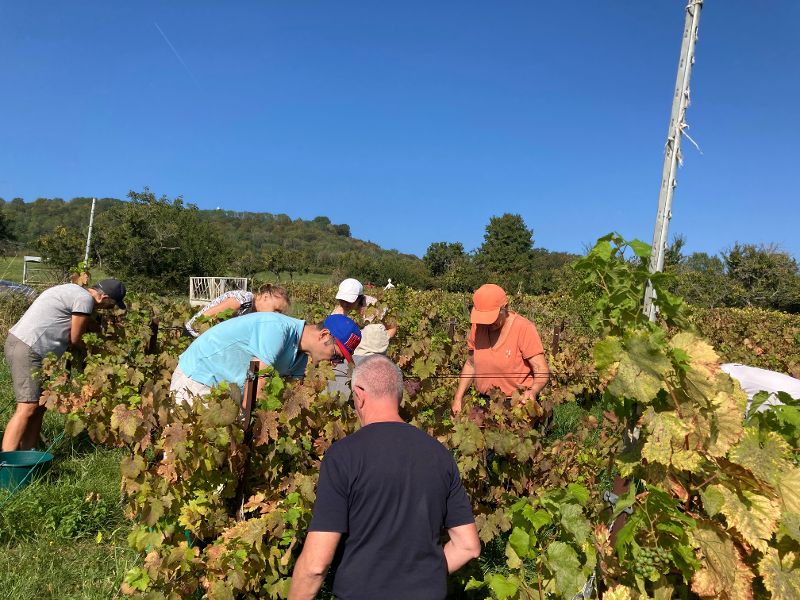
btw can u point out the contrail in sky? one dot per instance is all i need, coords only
(178, 56)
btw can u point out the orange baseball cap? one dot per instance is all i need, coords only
(487, 302)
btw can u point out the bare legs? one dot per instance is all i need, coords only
(22, 431)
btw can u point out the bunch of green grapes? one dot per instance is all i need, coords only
(652, 562)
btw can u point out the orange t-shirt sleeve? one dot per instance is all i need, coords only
(530, 344)
(471, 338)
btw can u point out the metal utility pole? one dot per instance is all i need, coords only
(672, 153)
(89, 237)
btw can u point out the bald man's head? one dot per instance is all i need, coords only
(379, 377)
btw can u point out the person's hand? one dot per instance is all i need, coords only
(455, 407)
(528, 395)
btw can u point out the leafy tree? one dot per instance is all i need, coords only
(5, 228)
(673, 255)
(155, 244)
(61, 249)
(443, 256)
(704, 263)
(249, 264)
(506, 254)
(769, 276)
(550, 271)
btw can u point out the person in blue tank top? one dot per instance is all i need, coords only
(224, 352)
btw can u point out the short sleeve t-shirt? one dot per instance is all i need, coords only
(224, 352)
(389, 489)
(503, 365)
(47, 324)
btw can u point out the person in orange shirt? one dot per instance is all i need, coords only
(505, 351)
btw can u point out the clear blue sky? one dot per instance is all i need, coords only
(414, 122)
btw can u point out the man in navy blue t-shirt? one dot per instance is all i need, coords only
(384, 496)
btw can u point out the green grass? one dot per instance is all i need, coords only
(11, 267)
(64, 535)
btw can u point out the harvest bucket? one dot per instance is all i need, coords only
(19, 468)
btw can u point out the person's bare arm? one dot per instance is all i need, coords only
(464, 545)
(541, 375)
(261, 380)
(228, 304)
(78, 326)
(312, 565)
(464, 381)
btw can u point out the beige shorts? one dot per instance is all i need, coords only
(185, 388)
(25, 365)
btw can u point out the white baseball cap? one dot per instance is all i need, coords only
(349, 290)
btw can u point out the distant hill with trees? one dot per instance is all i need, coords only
(155, 243)
(242, 243)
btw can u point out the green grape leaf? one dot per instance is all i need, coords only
(756, 403)
(512, 558)
(563, 562)
(474, 584)
(640, 249)
(137, 579)
(607, 352)
(502, 587)
(712, 500)
(467, 437)
(573, 521)
(520, 541)
(220, 414)
(579, 493)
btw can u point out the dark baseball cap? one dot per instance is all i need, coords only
(114, 289)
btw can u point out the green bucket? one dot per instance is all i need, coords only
(19, 468)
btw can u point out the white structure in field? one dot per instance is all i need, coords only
(203, 290)
(38, 274)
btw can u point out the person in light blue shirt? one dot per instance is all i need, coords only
(224, 352)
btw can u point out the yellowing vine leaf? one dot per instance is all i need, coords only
(763, 454)
(666, 440)
(790, 525)
(641, 371)
(723, 575)
(727, 426)
(618, 592)
(789, 489)
(781, 575)
(754, 516)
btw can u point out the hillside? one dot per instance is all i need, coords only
(324, 245)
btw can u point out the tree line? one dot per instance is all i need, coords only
(156, 243)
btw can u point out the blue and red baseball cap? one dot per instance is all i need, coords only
(345, 333)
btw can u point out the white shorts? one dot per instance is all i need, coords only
(185, 388)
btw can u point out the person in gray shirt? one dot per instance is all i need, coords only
(57, 318)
